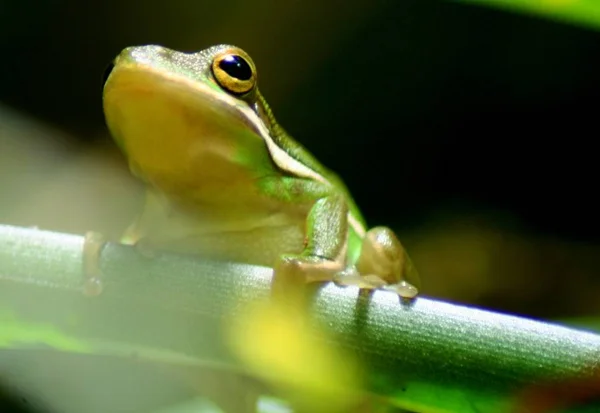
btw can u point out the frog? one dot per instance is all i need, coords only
(226, 181)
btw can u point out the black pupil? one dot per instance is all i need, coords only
(237, 67)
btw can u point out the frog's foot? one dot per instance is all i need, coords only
(384, 264)
(292, 273)
(403, 289)
(92, 248)
(351, 277)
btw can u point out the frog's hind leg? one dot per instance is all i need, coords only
(385, 264)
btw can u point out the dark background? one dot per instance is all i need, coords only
(470, 131)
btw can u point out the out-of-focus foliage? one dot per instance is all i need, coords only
(276, 340)
(440, 150)
(580, 12)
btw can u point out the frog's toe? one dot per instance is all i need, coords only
(351, 278)
(403, 289)
(293, 272)
(374, 282)
(92, 247)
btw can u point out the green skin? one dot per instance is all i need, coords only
(227, 182)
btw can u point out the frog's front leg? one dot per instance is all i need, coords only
(383, 262)
(93, 243)
(324, 253)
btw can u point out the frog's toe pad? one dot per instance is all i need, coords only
(354, 279)
(92, 247)
(374, 282)
(403, 289)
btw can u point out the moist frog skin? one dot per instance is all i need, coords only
(226, 181)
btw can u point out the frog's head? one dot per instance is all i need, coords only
(173, 112)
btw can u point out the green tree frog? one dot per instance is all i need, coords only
(226, 181)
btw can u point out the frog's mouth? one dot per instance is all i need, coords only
(175, 130)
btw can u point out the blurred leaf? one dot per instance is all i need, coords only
(16, 333)
(279, 343)
(585, 13)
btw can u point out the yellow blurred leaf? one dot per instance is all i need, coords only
(278, 344)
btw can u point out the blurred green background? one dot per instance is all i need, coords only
(469, 130)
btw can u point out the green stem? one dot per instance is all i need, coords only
(429, 355)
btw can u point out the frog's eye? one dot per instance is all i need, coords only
(234, 72)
